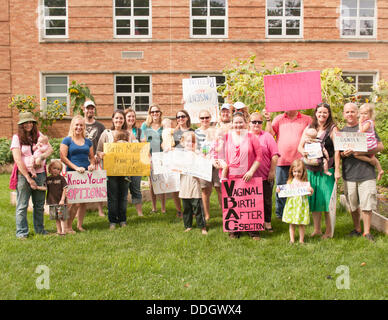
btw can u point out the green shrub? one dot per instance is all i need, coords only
(5, 152)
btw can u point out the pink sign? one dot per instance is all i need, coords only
(292, 91)
(242, 205)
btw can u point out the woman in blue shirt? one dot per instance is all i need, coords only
(77, 154)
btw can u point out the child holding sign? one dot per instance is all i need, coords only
(190, 190)
(296, 211)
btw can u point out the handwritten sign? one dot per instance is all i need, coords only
(200, 94)
(183, 162)
(294, 189)
(86, 187)
(356, 141)
(292, 91)
(314, 150)
(165, 183)
(127, 159)
(242, 205)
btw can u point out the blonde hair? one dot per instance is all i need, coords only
(149, 119)
(186, 135)
(297, 163)
(370, 107)
(53, 163)
(72, 126)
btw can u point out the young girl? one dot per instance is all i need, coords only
(296, 210)
(56, 196)
(366, 125)
(190, 190)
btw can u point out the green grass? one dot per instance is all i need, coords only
(154, 259)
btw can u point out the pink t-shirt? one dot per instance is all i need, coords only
(269, 149)
(241, 157)
(288, 134)
(25, 152)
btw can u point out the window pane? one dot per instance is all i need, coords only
(141, 3)
(217, 12)
(367, 3)
(293, 12)
(292, 4)
(217, 3)
(275, 3)
(56, 80)
(199, 12)
(142, 108)
(365, 87)
(123, 31)
(141, 12)
(55, 32)
(55, 12)
(365, 79)
(123, 80)
(349, 3)
(142, 100)
(123, 102)
(122, 88)
(55, 3)
(366, 27)
(217, 23)
(56, 89)
(349, 27)
(55, 24)
(367, 12)
(123, 3)
(199, 23)
(292, 27)
(199, 3)
(123, 23)
(275, 12)
(123, 12)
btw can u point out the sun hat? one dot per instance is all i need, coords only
(26, 117)
(225, 106)
(89, 103)
(239, 105)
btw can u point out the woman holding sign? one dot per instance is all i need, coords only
(151, 131)
(117, 186)
(324, 196)
(242, 153)
(77, 154)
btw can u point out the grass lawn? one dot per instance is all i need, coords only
(154, 259)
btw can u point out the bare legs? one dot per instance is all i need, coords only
(153, 199)
(366, 218)
(317, 225)
(79, 210)
(301, 228)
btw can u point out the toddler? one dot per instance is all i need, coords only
(36, 158)
(121, 136)
(56, 196)
(167, 135)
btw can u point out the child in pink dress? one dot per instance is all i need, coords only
(36, 158)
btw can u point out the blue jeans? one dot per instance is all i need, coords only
(23, 194)
(281, 178)
(135, 190)
(117, 199)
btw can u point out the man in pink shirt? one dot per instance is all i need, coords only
(288, 129)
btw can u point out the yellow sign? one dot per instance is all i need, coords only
(127, 159)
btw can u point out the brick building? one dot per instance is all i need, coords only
(134, 52)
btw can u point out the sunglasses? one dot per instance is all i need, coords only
(204, 118)
(152, 112)
(180, 117)
(257, 122)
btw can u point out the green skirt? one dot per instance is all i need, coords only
(323, 188)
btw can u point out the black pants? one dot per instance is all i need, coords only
(190, 207)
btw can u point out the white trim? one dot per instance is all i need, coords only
(283, 18)
(132, 19)
(43, 18)
(208, 19)
(358, 19)
(356, 74)
(44, 94)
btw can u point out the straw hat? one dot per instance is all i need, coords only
(26, 117)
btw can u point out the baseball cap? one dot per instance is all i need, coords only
(89, 103)
(239, 105)
(225, 106)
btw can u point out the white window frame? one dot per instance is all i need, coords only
(358, 19)
(356, 75)
(205, 75)
(208, 19)
(46, 95)
(132, 19)
(43, 18)
(132, 94)
(284, 18)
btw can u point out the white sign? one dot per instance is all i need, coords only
(86, 187)
(314, 150)
(200, 94)
(294, 189)
(355, 141)
(165, 183)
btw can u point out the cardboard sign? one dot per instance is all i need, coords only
(294, 189)
(127, 159)
(314, 150)
(292, 91)
(356, 141)
(242, 205)
(200, 94)
(86, 187)
(165, 183)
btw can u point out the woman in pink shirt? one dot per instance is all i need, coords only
(242, 154)
(267, 169)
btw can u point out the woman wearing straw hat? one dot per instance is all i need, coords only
(22, 147)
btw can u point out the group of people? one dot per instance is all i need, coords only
(238, 148)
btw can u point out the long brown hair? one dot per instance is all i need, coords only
(188, 122)
(329, 121)
(130, 110)
(26, 138)
(124, 126)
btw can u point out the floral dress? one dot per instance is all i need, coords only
(296, 210)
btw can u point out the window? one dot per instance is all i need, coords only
(54, 18)
(133, 91)
(208, 18)
(363, 82)
(132, 18)
(358, 18)
(55, 87)
(220, 80)
(284, 19)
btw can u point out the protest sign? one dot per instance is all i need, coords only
(165, 183)
(314, 150)
(242, 205)
(294, 189)
(292, 91)
(200, 94)
(127, 159)
(86, 187)
(356, 141)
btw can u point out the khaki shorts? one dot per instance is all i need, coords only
(361, 195)
(215, 180)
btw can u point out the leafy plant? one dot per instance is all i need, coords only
(5, 152)
(78, 94)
